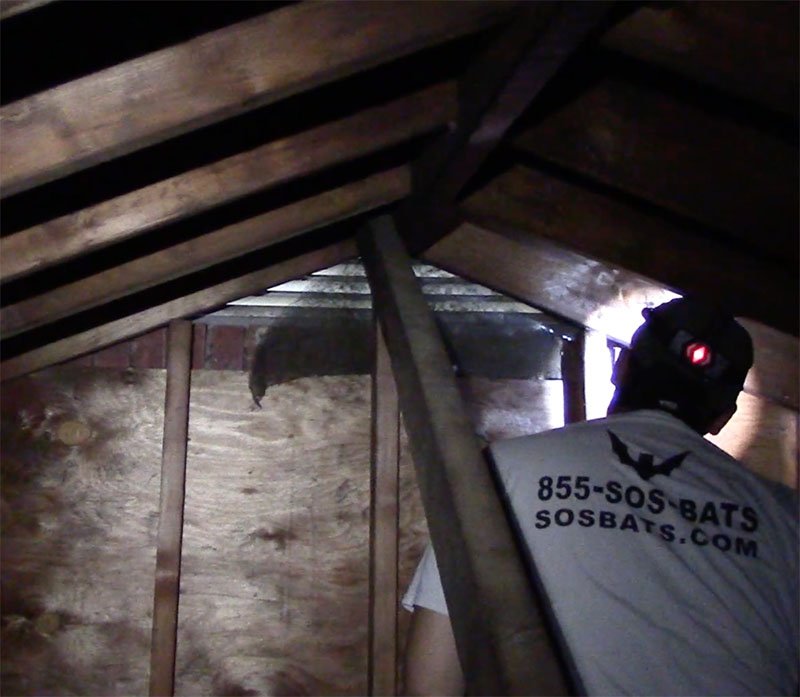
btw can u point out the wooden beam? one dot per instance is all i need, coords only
(528, 200)
(735, 179)
(192, 304)
(496, 619)
(597, 295)
(170, 520)
(493, 93)
(384, 512)
(747, 49)
(204, 188)
(216, 76)
(9, 8)
(573, 378)
(203, 251)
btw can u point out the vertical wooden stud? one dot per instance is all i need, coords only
(170, 524)
(382, 669)
(572, 377)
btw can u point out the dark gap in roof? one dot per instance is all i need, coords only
(186, 285)
(63, 41)
(690, 225)
(236, 211)
(271, 122)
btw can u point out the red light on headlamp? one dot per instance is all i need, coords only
(698, 354)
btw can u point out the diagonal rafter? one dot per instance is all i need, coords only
(206, 250)
(216, 76)
(494, 92)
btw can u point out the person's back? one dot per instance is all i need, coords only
(667, 567)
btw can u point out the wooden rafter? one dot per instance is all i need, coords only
(201, 189)
(602, 228)
(595, 294)
(493, 93)
(213, 77)
(733, 178)
(206, 250)
(192, 304)
(496, 619)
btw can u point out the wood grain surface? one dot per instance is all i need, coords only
(217, 75)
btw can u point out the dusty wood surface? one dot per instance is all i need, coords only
(596, 295)
(384, 512)
(720, 44)
(170, 515)
(215, 76)
(201, 189)
(206, 250)
(731, 177)
(194, 303)
(497, 624)
(529, 200)
(80, 480)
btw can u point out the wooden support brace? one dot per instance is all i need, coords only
(497, 620)
(572, 377)
(170, 524)
(384, 508)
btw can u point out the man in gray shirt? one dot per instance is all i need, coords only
(666, 566)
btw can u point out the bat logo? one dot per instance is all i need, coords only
(645, 466)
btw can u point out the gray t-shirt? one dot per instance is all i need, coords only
(668, 567)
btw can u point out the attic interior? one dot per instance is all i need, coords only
(550, 169)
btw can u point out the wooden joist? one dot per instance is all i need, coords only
(733, 178)
(206, 250)
(493, 93)
(187, 306)
(170, 521)
(203, 188)
(383, 528)
(213, 77)
(600, 227)
(496, 619)
(597, 295)
(748, 49)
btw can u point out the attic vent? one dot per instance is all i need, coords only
(345, 286)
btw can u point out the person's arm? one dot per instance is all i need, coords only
(431, 664)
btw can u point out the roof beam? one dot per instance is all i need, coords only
(730, 177)
(193, 304)
(201, 189)
(747, 49)
(216, 76)
(597, 295)
(206, 250)
(493, 93)
(602, 228)
(497, 622)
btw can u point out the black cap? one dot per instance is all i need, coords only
(700, 339)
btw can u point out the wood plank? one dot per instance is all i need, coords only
(493, 93)
(170, 521)
(203, 188)
(225, 348)
(573, 378)
(733, 178)
(529, 200)
(496, 619)
(384, 516)
(194, 303)
(747, 49)
(9, 8)
(206, 250)
(215, 76)
(597, 295)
